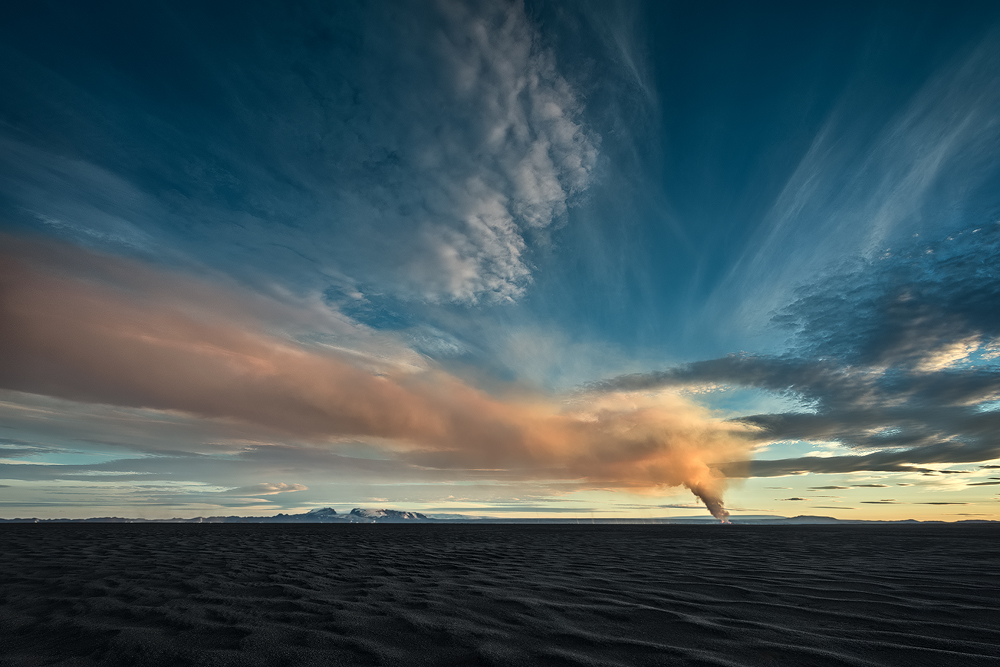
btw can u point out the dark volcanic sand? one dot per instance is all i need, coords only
(499, 594)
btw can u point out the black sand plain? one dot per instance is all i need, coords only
(361, 594)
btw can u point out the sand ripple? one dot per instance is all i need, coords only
(362, 594)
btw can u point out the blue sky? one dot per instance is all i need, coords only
(500, 258)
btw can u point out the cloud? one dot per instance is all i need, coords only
(519, 121)
(422, 160)
(827, 488)
(874, 365)
(266, 489)
(865, 409)
(89, 328)
(12, 449)
(923, 309)
(861, 190)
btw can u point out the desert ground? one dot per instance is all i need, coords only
(368, 594)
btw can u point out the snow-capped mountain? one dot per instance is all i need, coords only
(361, 515)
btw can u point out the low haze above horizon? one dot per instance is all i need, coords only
(516, 259)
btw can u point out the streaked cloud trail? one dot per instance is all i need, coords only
(863, 190)
(96, 329)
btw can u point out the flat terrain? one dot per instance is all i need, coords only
(165, 594)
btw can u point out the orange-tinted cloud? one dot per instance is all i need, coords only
(91, 328)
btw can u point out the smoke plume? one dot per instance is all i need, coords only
(91, 328)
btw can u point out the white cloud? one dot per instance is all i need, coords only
(506, 157)
(917, 170)
(948, 355)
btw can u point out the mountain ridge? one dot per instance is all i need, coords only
(384, 515)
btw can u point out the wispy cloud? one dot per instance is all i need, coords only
(266, 489)
(856, 190)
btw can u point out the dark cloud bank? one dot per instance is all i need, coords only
(895, 356)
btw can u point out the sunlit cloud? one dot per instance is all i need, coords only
(97, 330)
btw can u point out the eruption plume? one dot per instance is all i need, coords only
(90, 328)
(713, 501)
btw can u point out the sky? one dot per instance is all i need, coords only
(493, 258)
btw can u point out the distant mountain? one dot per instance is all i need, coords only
(362, 515)
(319, 515)
(384, 516)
